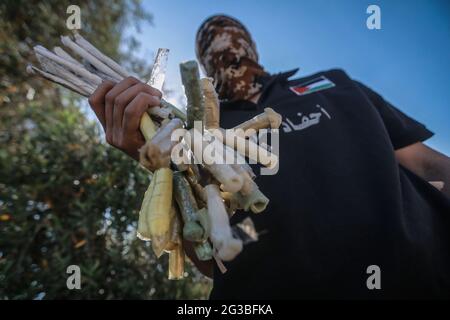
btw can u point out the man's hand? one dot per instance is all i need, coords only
(119, 107)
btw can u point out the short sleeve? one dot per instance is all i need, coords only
(403, 130)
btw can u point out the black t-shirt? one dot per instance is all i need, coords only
(340, 201)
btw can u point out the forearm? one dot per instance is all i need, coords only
(429, 164)
(438, 169)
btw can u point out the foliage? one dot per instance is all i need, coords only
(25, 23)
(66, 198)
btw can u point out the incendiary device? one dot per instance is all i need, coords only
(191, 200)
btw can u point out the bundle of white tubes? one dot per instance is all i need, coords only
(190, 200)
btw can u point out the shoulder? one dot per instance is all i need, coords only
(336, 72)
(336, 75)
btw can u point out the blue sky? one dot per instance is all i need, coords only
(407, 61)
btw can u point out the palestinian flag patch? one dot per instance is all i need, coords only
(314, 85)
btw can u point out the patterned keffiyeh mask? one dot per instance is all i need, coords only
(228, 54)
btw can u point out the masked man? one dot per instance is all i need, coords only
(352, 212)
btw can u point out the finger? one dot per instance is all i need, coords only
(109, 105)
(97, 100)
(437, 184)
(134, 111)
(124, 98)
(154, 92)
